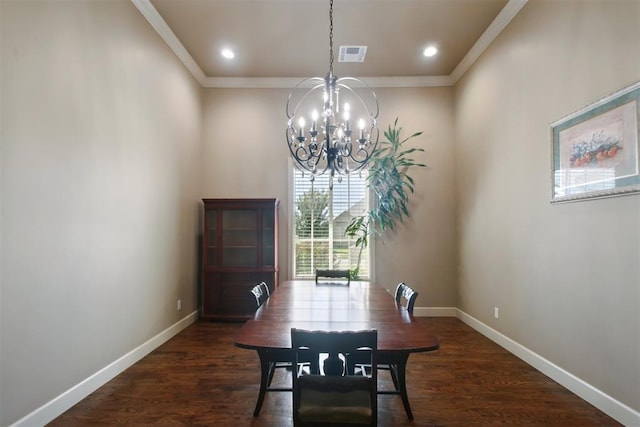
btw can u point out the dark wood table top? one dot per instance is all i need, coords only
(334, 307)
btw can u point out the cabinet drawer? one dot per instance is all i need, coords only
(228, 295)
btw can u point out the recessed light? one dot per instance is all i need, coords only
(430, 51)
(227, 53)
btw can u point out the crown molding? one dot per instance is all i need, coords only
(291, 82)
(153, 17)
(499, 23)
(151, 14)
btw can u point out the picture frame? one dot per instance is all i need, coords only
(595, 150)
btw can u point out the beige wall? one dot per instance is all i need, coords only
(101, 160)
(422, 250)
(566, 277)
(246, 156)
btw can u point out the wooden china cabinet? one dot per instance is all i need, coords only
(239, 249)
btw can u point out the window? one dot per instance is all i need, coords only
(321, 216)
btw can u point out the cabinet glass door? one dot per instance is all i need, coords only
(211, 222)
(240, 237)
(268, 235)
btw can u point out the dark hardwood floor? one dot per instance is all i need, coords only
(200, 378)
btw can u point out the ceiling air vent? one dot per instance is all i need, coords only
(352, 53)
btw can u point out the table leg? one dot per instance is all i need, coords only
(401, 369)
(264, 379)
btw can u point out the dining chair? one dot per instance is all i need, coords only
(333, 274)
(274, 359)
(405, 298)
(332, 395)
(261, 293)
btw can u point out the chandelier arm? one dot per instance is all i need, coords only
(309, 161)
(373, 129)
(340, 83)
(319, 85)
(362, 156)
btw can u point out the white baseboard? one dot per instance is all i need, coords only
(607, 404)
(435, 312)
(49, 411)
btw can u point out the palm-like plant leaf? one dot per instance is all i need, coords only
(388, 178)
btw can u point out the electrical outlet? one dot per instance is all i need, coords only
(496, 312)
(179, 305)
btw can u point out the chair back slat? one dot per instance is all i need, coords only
(407, 294)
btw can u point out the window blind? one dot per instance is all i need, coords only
(321, 217)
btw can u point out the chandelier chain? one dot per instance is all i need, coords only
(331, 37)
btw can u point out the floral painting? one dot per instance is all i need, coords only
(598, 149)
(595, 150)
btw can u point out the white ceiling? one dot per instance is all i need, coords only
(279, 42)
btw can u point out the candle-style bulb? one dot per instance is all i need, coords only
(314, 121)
(347, 115)
(301, 129)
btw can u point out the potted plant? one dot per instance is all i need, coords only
(391, 184)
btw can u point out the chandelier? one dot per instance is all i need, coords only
(331, 104)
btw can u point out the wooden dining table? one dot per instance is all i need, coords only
(333, 306)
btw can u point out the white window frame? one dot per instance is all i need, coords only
(292, 230)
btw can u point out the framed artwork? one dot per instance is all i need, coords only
(595, 149)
